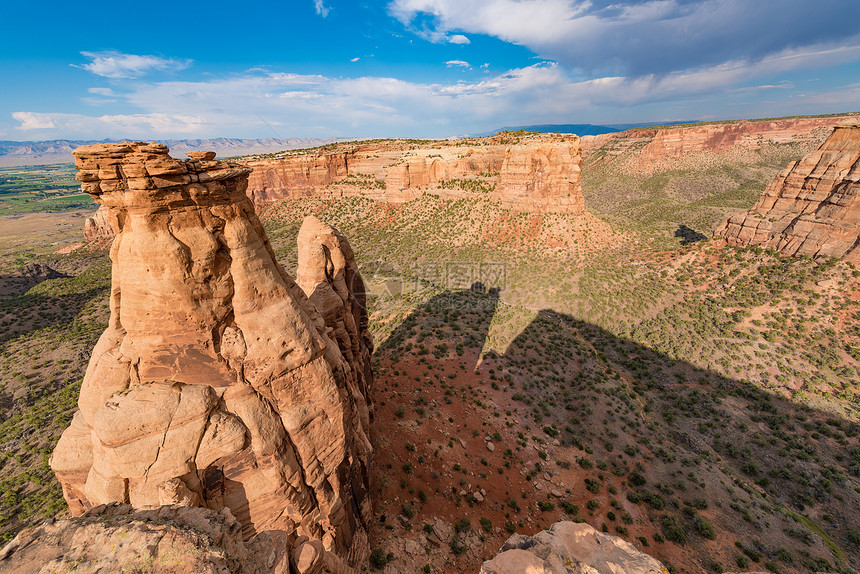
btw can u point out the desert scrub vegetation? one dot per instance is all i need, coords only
(665, 442)
(48, 332)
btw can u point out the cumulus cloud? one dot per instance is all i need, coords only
(458, 39)
(639, 37)
(458, 64)
(321, 8)
(116, 65)
(33, 121)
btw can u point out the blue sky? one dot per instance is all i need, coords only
(316, 68)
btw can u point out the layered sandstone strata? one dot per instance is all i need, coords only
(568, 547)
(654, 144)
(218, 382)
(683, 140)
(646, 151)
(812, 207)
(533, 173)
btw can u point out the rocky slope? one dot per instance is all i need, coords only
(812, 207)
(219, 382)
(531, 173)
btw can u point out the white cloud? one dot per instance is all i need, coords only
(321, 8)
(116, 65)
(355, 59)
(639, 37)
(121, 125)
(106, 92)
(33, 121)
(458, 39)
(266, 103)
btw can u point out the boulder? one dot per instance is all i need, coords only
(568, 548)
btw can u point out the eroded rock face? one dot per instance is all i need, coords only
(532, 173)
(812, 207)
(568, 548)
(218, 383)
(678, 141)
(97, 226)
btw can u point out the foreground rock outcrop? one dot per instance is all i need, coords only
(812, 207)
(117, 538)
(538, 173)
(219, 382)
(570, 548)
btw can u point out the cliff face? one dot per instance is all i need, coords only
(675, 142)
(653, 146)
(219, 382)
(537, 173)
(812, 207)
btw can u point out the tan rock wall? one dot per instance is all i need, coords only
(538, 173)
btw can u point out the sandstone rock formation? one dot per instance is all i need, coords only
(812, 207)
(218, 382)
(97, 225)
(570, 548)
(681, 140)
(533, 173)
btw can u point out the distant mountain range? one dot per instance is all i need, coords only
(14, 153)
(60, 151)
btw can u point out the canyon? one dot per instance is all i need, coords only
(646, 403)
(812, 207)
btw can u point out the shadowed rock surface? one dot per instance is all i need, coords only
(812, 207)
(218, 383)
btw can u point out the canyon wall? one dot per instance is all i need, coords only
(654, 147)
(220, 382)
(812, 207)
(532, 173)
